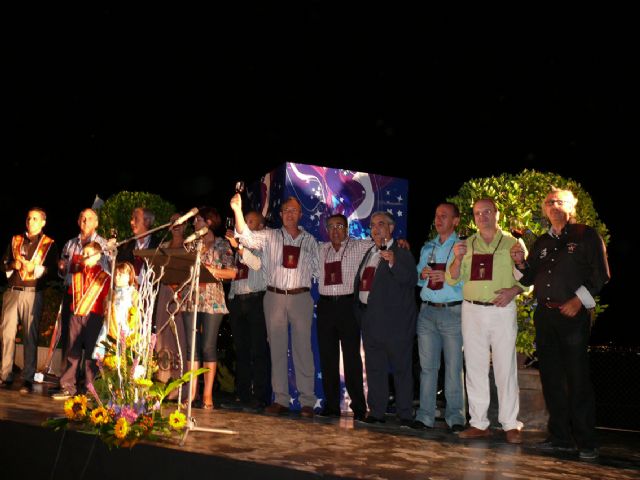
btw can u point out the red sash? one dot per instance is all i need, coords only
(85, 296)
(333, 273)
(367, 279)
(432, 284)
(482, 266)
(38, 256)
(243, 271)
(290, 256)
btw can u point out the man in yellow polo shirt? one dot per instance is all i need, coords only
(489, 326)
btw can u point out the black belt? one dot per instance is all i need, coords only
(484, 304)
(443, 305)
(246, 296)
(22, 289)
(335, 298)
(291, 291)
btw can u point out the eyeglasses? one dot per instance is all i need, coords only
(483, 213)
(336, 226)
(290, 210)
(550, 202)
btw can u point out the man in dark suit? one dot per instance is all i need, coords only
(141, 222)
(386, 309)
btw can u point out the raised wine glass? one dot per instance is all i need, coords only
(516, 227)
(431, 260)
(464, 233)
(384, 244)
(230, 223)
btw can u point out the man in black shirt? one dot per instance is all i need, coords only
(568, 267)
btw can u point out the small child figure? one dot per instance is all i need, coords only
(124, 312)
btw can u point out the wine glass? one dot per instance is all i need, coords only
(431, 260)
(464, 233)
(384, 244)
(230, 223)
(516, 227)
(239, 186)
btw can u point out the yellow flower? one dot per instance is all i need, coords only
(122, 428)
(75, 408)
(132, 339)
(100, 416)
(177, 420)
(110, 361)
(144, 382)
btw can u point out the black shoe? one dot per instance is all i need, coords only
(371, 420)
(6, 384)
(255, 406)
(554, 445)
(406, 423)
(234, 404)
(27, 387)
(329, 413)
(588, 453)
(456, 428)
(418, 425)
(359, 417)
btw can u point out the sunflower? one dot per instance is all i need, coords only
(100, 416)
(75, 408)
(177, 420)
(143, 382)
(110, 361)
(122, 428)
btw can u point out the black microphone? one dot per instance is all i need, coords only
(191, 213)
(196, 235)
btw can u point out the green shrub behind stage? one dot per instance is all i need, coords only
(115, 214)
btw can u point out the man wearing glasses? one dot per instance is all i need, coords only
(489, 326)
(568, 268)
(337, 325)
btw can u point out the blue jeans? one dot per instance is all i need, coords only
(439, 330)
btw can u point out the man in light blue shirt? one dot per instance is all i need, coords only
(439, 325)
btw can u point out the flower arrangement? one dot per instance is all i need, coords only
(124, 405)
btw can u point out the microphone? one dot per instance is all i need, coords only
(196, 235)
(191, 213)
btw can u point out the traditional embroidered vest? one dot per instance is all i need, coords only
(38, 256)
(85, 296)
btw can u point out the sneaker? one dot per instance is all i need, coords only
(588, 453)
(62, 395)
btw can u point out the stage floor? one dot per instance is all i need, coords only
(292, 447)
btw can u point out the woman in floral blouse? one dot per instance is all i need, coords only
(217, 258)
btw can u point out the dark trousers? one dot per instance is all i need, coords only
(561, 345)
(83, 333)
(383, 354)
(253, 363)
(65, 316)
(337, 327)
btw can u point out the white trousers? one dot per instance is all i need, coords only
(489, 337)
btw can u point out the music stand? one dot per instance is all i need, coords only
(179, 267)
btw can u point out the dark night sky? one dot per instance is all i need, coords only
(96, 98)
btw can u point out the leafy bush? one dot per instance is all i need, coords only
(520, 196)
(115, 214)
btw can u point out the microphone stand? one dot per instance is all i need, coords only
(195, 289)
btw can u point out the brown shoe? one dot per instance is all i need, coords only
(306, 412)
(513, 436)
(473, 432)
(276, 409)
